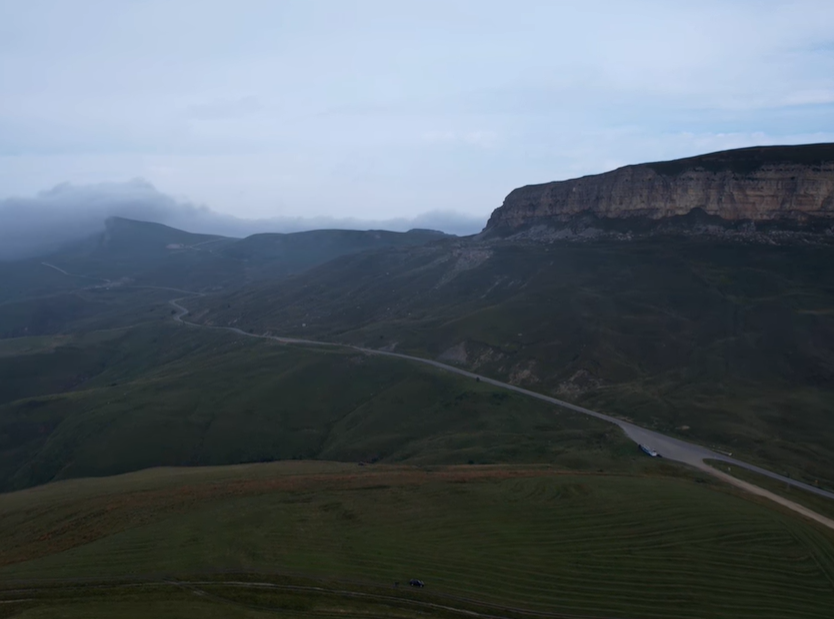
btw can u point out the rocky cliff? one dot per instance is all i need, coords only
(773, 188)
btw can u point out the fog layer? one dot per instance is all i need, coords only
(35, 226)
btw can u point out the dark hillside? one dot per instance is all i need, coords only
(150, 254)
(124, 400)
(272, 255)
(729, 344)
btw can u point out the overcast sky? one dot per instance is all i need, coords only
(391, 108)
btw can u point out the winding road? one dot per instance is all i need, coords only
(667, 446)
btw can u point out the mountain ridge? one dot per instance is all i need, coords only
(134, 252)
(765, 189)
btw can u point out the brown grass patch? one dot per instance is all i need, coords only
(51, 528)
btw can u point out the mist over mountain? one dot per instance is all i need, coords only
(43, 223)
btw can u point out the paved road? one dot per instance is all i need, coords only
(667, 446)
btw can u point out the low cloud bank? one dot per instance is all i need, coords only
(38, 225)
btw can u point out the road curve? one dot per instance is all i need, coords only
(669, 447)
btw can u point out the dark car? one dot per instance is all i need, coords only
(416, 583)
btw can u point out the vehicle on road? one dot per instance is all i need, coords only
(649, 451)
(416, 583)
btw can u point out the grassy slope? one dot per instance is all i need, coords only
(606, 546)
(268, 256)
(83, 311)
(31, 279)
(734, 342)
(166, 394)
(819, 504)
(145, 252)
(107, 277)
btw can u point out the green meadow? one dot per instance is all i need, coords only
(495, 540)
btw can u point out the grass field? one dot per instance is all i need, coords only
(209, 600)
(529, 538)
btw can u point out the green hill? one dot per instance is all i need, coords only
(324, 539)
(117, 401)
(728, 344)
(270, 255)
(28, 279)
(68, 291)
(154, 254)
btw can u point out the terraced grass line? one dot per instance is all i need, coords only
(618, 546)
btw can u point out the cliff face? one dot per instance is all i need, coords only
(773, 187)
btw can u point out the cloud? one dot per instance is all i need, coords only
(225, 109)
(810, 97)
(41, 224)
(477, 137)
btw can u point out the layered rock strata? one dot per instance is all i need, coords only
(778, 188)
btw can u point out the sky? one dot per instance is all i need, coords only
(354, 110)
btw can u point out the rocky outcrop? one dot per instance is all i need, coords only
(764, 188)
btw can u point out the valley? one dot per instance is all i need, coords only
(290, 424)
(412, 310)
(720, 343)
